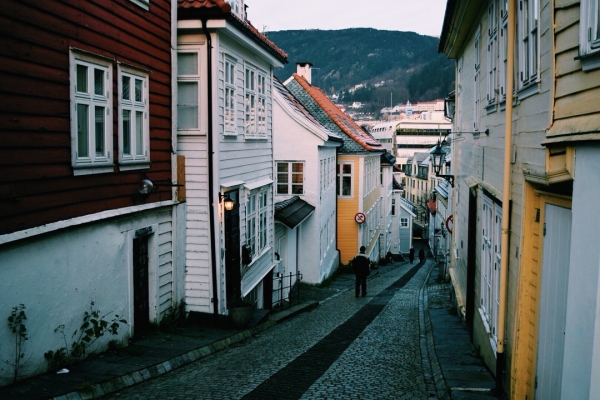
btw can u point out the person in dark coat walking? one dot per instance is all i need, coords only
(411, 254)
(360, 265)
(422, 255)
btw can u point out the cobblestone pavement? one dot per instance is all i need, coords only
(347, 348)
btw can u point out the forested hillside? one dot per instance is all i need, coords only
(404, 65)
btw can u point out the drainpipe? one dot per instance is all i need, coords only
(504, 252)
(211, 172)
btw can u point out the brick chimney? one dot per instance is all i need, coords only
(304, 69)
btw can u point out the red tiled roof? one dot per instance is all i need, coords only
(225, 8)
(342, 120)
(222, 4)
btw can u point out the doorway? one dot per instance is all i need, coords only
(233, 277)
(553, 301)
(141, 293)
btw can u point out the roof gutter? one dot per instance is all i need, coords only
(504, 251)
(211, 171)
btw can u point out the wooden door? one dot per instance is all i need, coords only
(141, 300)
(553, 302)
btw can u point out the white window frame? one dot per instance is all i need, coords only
(528, 14)
(491, 229)
(255, 103)
(139, 156)
(492, 52)
(503, 41)
(290, 174)
(589, 41)
(257, 220)
(340, 174)
(403, 222)
(477, 75)
(229, 97)
(91, 163)
(195, 78)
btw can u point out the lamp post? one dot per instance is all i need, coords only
(439, 158)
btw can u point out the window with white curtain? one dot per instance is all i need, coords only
(257, 224)
(230, 100)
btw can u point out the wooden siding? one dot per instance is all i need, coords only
(347, 228)
(577, 92)
(37, 185)
(197, 278)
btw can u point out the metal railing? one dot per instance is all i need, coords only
(284, 285)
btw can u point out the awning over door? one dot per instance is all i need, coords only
(292, 212)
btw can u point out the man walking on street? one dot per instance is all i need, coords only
(360, 265)
(422, 255)
(411, 254)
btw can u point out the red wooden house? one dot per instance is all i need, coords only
(86, 164)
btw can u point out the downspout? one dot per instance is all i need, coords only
(211, 172)
(504, 251)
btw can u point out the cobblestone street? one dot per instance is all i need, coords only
(363, 348)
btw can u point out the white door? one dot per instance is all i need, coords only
(553, 302)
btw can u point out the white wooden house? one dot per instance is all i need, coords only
(224, 105)
(305, 162)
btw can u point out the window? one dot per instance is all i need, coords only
(492, 51)
(344, 180)
(589, 34)
(503, 48)
(256, 220)
(134, 131)
(490, 268)
(188, 91)
(145, 4)
(91, 103)
(290, 177)
(229, 115)
(255, 104)
(476, 86)
(403, 222)
(528, 17)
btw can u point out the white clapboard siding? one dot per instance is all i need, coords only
(197, 262)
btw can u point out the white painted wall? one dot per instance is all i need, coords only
(581, 369)
(295, 141)
(57, 275)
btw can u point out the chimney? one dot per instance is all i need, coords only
(304, 69)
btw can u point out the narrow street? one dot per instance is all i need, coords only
(367, 348)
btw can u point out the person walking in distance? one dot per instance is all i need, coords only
(411, 254)
(422, 255)
(360, 265)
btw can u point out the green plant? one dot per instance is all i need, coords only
(173, 318)
(16, 325)
(94, 327)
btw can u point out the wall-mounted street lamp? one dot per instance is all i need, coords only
(145, 186)
(228, 203)
(439, 159)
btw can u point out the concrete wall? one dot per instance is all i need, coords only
(57, 275)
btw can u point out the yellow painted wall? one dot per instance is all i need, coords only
(529, 289)
(347, 228)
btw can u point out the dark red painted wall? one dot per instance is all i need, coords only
(37, 185)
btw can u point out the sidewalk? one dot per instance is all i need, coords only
(459, 373)
(161, 352)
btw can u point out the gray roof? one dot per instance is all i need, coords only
(300, 109)
(420, 157)
(408, 205)
(350, 145)
(388, 159)
(443, 189)
(292, 212)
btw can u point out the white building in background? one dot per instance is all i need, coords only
(305, 155)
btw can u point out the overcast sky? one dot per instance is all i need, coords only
(421, 16)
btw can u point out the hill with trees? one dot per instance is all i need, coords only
(394, 66)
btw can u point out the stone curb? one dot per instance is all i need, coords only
(114, 385)
(435, 380)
